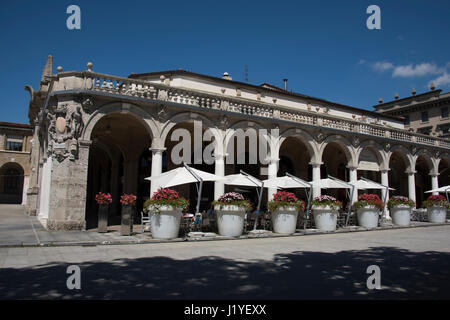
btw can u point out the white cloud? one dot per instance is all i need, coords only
(417, 70)
(383, 66)
(362, 61)
(442, 80)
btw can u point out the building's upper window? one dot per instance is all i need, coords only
(424, 116)
(444, 112)
(426, 130)
(407, 120)
(14, 143)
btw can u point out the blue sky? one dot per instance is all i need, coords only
(323, 47)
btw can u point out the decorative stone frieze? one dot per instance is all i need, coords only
(65, 124)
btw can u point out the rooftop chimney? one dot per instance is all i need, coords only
(396, 95)
(285, 84)
(380, 100)
(226, 76)
(432, 86)
(413, 91)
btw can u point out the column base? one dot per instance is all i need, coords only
(66, 225)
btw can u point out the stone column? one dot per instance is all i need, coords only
(33, 188)
(434, 181)
(316, 177)
(411, 184)
(353, 177)
(67, 205)
(272, 170)
(156, 168)
(115, 187)
(2, 141)
(219, 187)
(385, 182)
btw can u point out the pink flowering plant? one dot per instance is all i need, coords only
(436, 201)
(327, 201)
(285, 199)
(103, 198)
(128, 199)
(369, 200)
(400, 201)
(166, 197)
(232, 199)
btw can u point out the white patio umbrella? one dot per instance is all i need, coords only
(443, 189)
(364, 184)
(330, 184)
(290, 181)
(286, 182)
(340, 184)
(184, 175)
(244, 179)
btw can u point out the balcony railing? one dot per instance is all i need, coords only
(97, 82)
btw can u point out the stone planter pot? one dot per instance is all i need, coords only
(165, 224)
(284, 220)
(103, 218)
(368, 217)
(126, 225)
(401, 215)
(437, 214)
(325, 218)
(230, 220)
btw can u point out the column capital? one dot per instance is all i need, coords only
(220, 156)
(272, 159)
(385, 170)
(433, 174)
(316, 164)
(157, 149)
(85, 143)
(352, 167)
(410, 172)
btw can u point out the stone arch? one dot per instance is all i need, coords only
(404, 153)
(377, 150)
(188, 116)
(429, 159)
(304, 137)
(245, 124)
(118, 107)
(344, 143)
(444, 170)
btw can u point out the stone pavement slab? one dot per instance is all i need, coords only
(414, 263)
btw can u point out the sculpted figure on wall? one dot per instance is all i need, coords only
(65, 124)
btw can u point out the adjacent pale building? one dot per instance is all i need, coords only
(15, 149)
(98, 132)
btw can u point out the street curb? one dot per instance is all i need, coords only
(201, 239)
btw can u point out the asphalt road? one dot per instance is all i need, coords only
(414, 264)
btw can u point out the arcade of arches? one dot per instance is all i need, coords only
(121, 156)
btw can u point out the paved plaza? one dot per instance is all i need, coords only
(414, 263)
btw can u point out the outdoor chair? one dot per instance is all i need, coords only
(145, 220)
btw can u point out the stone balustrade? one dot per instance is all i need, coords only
(97, 82)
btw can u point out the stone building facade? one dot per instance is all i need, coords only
(427, 113)
(15, 149)
(98, 132)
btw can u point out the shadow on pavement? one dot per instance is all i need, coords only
(298, 275)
